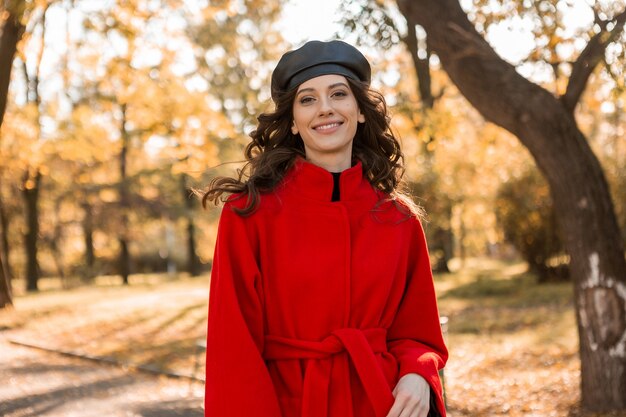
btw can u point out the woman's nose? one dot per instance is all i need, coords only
(325, 106)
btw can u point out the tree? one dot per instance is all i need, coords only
(526, 214)
(126, 91)
(546, 125)
(32, 177)
(12, 31)
(238, 45)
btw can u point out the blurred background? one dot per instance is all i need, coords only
(116, 109)
(113, 111)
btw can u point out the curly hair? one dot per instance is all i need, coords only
(274, 149)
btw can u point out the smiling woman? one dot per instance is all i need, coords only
(322, 301)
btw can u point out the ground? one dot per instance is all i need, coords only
(42, 384)
(152, 323)
(513, 347)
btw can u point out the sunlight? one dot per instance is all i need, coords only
(304, 20)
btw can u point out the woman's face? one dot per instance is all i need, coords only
(326, 114)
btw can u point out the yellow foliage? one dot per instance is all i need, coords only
(108, 196)
(29, 184)
(171, 121)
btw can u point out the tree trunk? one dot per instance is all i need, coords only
(88, 274)
(31, 199)
(124, 255)
(55, 247)
(31, 183)
(193, 261)
(443, 243)
(5, 222)
(124, 261)
(546, 126)
(11, 33)
(6, 296)
(422, 68)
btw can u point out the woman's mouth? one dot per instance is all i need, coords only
(327, 126)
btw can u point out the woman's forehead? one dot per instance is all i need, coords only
(323, 82)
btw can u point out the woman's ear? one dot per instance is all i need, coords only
(294, 129)
(361, 117)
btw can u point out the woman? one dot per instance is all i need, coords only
(322, 301)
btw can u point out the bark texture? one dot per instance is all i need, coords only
(546, 126)
(11, 33)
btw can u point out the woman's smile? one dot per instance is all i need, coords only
(328, 128)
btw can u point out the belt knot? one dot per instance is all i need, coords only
(360, 345)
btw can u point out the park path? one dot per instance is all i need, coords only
(35, 383)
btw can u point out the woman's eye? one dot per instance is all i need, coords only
(306, 100)
(339, 93)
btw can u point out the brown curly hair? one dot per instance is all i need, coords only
(274, 148)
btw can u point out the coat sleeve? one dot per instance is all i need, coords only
(238, 383)
(415, 337)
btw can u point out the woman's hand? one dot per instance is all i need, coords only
(412, 394)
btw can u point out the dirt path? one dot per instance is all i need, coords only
(34, 383)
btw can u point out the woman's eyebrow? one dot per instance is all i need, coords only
(304, 90)
(338, 85)
(330, 87)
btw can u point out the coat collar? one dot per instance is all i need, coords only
(312, 181)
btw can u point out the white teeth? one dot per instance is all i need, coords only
(326, 127)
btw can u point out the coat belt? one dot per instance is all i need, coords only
(359, 345)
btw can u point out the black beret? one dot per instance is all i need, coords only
(317, 58)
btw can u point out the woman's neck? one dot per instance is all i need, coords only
(331, 163)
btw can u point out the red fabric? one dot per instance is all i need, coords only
(317, 308)
(360, 345)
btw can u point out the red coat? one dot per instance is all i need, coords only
(317, 308)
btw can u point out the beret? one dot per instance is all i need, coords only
(317, 58)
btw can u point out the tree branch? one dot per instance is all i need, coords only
(490, 84)
(422, 67)
(588, 60)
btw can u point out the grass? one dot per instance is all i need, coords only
(513, 343)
